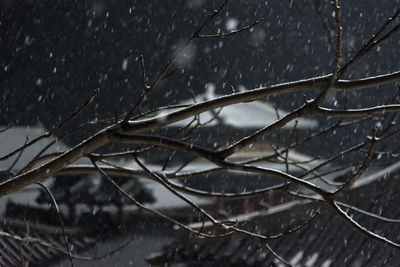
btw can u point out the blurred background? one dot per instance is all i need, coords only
(54, 54)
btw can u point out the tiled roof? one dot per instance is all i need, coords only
(326, 241)
(14, 252)
(242, 115)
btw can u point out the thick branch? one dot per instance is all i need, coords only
(357, 112)
(257, 94)
(49, 169)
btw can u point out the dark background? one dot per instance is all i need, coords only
(54, 54)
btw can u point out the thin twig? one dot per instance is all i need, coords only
(276, 255)
(290, 142)
(164, 71)
(60, 220)
(362, 229)
(338, 50)
(18, 156)
(57, 126)
(141, 206)
(228, 34)
(369, 44)
(6, 128)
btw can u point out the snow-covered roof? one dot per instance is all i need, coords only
(256, 114)
(165, 199)
(17, 136)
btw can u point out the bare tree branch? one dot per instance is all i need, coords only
(54, 202)
(148, 130)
